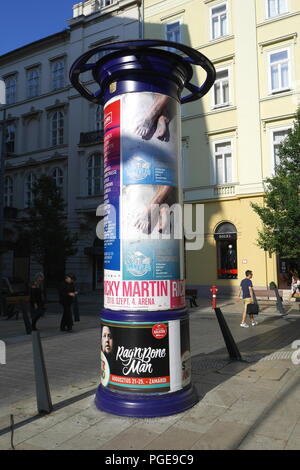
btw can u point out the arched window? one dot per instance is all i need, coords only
(226, 238)
(8, 191)
(58, 176)
(57, 128)
(29, 184)
(95, 175)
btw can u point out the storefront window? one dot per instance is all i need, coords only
(226, 240)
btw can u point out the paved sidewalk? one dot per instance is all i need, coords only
(253, 404)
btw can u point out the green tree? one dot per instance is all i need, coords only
(280, 213)
(51, 242)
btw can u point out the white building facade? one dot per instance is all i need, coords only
(51, 129)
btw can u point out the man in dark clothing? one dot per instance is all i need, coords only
(246, 288)
(66, 297)
(75, 308)
(37, 299)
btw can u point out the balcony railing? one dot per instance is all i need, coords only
(90, 138)
(224, 190)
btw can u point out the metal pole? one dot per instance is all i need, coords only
(44, 402)
(2, 158)
(279, 305)
(231, 346)
(26, 320)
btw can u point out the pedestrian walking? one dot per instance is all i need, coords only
(75, 307)
(295, 283)
(246, 290)
(66, 298)
(37, 299)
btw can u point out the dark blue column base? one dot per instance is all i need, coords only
(140, 406)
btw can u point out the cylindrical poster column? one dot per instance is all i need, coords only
(145, 346)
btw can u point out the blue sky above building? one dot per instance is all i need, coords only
(24, 22)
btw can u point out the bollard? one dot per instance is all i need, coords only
(231, 346)
(145, 357)
(26, 320)
(76, 309)
(44, 403)
(214, 291)
(279, 304)
(3, 306)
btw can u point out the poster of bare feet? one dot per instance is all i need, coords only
(144, 263)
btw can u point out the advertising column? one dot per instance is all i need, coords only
(145, 341)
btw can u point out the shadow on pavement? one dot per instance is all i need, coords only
(252, 350)
(56, 407)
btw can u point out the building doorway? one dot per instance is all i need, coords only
(226, 241)
(283, 275)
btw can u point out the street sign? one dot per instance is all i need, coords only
(2, 92)
(225, 236)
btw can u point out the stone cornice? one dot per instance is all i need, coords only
(35, 46)
(56, 106)
(32, 162)
(32, 113)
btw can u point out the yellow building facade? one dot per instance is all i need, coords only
(230, 138)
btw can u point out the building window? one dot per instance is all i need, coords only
(276, 8)
(11, 89)
(279, 64)
(278, 138)
(173, 31)
(10, 138)
(223, 163)
(58, 176)
(57, 128)
(95, 175)
(8, 191)
(58, 74)
(219, 21)
(105, 3)
(29, 185)
(185, 162)
(99, 116)
(33, 82)
(100, 55)
(226, 241)
(221, 89)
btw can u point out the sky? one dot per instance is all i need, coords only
(25, 21)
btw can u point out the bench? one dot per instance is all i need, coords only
(266, 294)
(191, 295)
(13, 304)
(17, 299)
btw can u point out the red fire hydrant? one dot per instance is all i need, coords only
(214, 291)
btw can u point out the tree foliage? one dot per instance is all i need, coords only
(51, 242)
(280, 213)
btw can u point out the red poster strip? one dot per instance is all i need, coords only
(139, 380)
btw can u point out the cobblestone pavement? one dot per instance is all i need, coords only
(242, 405)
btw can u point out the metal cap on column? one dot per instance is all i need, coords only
(145, 343)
